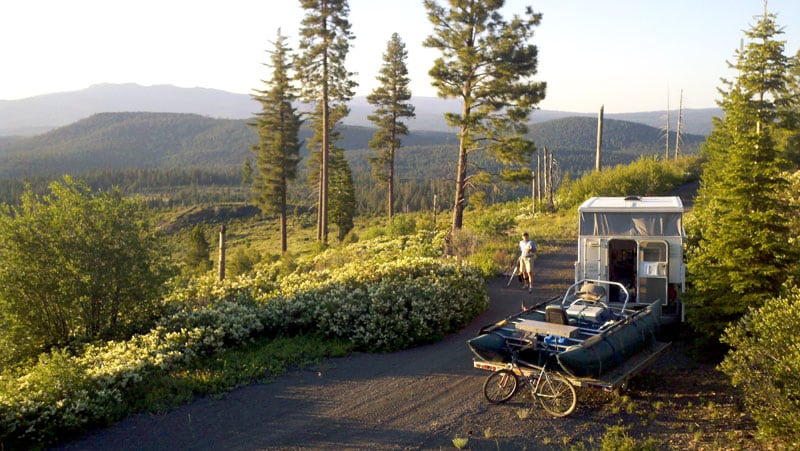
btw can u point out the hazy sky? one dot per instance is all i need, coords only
(629, 55)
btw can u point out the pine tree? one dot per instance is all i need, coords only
(324, 43)
(198, 257)
(738, 253)
(247, 171)
(341, 179)
(487, 63)
(391, 102)
(278, 149)
(343, 200)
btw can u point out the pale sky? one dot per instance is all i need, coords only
(628, 55)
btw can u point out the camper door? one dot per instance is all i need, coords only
(595, 259)
(653, 272)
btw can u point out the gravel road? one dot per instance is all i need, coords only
(423, 398)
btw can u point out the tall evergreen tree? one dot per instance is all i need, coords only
(391, 106)
(343, 199)
(278, 149)
(198, 256)
(487, 63)
(324, 43)
(739, 254)
(341, 179)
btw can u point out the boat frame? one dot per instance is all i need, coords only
(616, 379)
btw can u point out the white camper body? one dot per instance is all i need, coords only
(636, 241)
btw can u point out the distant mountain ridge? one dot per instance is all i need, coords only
(36, 115)
(122, 141)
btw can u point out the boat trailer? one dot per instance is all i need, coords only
(614, 380)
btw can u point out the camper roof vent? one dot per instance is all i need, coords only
(632, 198)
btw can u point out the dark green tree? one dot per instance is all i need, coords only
(77, 266)
(247, 171)
(391, 106)
(198, 257)
(278, 149)
(739, 252)
(487, 63)
(343, 199)
(324, 43)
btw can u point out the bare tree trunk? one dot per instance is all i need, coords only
(666, 151)
(222, 252)
(435, 208)
(550, 202)
(539, 177)
(678, 132)
(322, 232)
(461, 181)
(282, 219)
(390, 200)
(599, 139)
(543, 194)
(461, 177)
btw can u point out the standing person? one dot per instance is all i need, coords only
(527, 248)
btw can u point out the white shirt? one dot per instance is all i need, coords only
(527, 247)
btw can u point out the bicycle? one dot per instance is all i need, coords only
(554, 392)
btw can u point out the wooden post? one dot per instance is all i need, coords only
(222, 252)
(599, 139)
(533, 191)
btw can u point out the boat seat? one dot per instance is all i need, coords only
(556, 315)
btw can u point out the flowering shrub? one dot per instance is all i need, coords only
(404, 297)
(63, 392)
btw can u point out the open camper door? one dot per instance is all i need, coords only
(653, 274)
(595, 260)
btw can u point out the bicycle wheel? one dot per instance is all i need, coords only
(500, 386)
(557, 395)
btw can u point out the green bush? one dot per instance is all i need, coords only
(403, 224)
(646, 177)
(764, 362)
(494, 224)
(77, 266)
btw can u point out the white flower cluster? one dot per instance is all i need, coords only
(406, 297)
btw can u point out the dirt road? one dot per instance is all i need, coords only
(423, 398)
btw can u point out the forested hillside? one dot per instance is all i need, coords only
(189, 157)
(570, 139)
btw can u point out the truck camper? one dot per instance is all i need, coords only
(637, 242)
